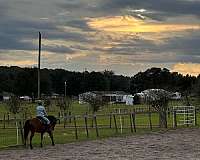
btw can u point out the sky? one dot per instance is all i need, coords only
(125, 36)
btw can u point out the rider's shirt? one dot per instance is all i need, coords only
(41, 111)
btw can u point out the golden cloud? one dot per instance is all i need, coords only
(75, 56)
(187, 68)
(22, 63)
(130, 24)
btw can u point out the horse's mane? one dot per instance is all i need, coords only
(52, 119)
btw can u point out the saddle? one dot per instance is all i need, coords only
(41, 119)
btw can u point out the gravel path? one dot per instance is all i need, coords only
(180, 144)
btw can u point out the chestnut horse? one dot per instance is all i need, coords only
(35, 125)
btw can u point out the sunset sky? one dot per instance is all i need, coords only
(126, 36)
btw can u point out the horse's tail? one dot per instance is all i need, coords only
(26, 130)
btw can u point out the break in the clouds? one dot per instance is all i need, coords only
(125, 36)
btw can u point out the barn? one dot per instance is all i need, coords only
(109, 96)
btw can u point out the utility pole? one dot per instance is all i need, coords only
(65, 89)
(39, 65)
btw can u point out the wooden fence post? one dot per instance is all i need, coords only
(8, 118)
(122, 121)
(131, 124)
(187, 118)
(133, 117)
(58, 114)
(75, 127)
(70, 121)
(168, 112)
(110, 120)
(64, 118)
(175, 120)
(25, 115)
(150, 123)
(195, 116)
(96, 126)
(86, 125)
(4, 121)
(115, 122)
(21, 132)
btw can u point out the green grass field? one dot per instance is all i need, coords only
(65, 135)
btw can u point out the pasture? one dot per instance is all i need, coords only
(66, 131)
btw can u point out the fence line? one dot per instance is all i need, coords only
(87, 124)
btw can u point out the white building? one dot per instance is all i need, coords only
(25, 98)
(176, 96)
(129, 100)
(6, 98)
(109, 96)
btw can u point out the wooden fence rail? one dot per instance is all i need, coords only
(94, 124)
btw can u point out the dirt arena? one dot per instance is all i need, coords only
(176, 144)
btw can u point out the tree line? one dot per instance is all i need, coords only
(23, 81)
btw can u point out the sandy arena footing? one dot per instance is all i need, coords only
(180, 144)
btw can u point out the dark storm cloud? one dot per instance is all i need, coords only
(12, 42)
(187, 45)
(162, 8)
(58, 49)
(24, 28)
(14, 32)
(67, 36)
(171, 50)
(78, 47)
(66, 20)
(16, 29)
(70, 6)
(3, 9)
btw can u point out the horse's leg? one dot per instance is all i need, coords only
(25, 142)
(32, 134)
(41, 139)
(51, 136)
(26, 131)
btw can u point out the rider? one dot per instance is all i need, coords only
(41, 112)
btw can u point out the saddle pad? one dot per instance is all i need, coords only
(41, 120)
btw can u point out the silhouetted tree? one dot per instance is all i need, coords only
(159, 99)
(95, 102)
(23, 81)
(64, 103)
(196, 88)
(14, 105)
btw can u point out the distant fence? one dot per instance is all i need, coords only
(87, 125)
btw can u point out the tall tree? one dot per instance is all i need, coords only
(158, 99)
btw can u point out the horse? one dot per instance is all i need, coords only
(35, 125)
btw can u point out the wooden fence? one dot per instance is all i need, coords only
(11, 130)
